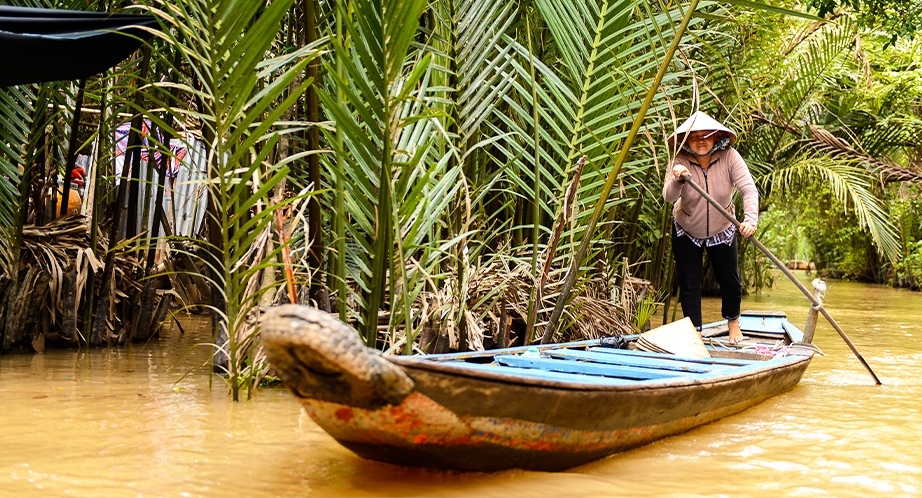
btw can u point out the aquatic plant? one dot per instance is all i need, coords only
(241, 91)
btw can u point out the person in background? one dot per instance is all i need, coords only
(703, 150)
(75, 197)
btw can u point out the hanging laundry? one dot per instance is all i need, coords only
(177, 152)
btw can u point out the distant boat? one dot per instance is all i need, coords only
(548, 407)
(799, 264)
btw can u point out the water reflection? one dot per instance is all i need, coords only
(143, 420)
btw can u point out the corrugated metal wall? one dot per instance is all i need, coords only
(185, 198)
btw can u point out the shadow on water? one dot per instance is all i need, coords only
(136, 421)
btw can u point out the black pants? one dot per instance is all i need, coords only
(689, 270)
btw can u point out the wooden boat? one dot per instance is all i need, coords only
(544, 408)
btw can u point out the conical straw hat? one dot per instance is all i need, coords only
(700, 121)
(679, 338)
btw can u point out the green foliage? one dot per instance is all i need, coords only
(834, 142)
(397, 186)
(908, 271)
(584, 104)
(451, 130)
(242, 93)
(645, 310)
(818, 123)
(816, 228)
(785, 232)
(907, 208)
(16, 115)
(896, 18)
(471, 145)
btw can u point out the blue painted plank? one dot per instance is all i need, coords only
(714, 324)
(584, 368)
(527, 373)
(518, 349)
(705, 361)
(633, 361)
(593, 380)
(755, 324)
(763, 324)
(794, 333)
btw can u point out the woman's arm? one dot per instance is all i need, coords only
(672, 188)
(742, 180)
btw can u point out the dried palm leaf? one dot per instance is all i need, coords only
(59, 253)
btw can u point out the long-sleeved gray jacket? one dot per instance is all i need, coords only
(726, 171)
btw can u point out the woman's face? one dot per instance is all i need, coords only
(701, 142)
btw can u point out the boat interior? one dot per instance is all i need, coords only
(768, 338)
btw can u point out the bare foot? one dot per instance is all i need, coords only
(736, 335)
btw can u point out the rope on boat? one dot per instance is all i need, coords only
(719, 344)
(807, 345)
(778, 349)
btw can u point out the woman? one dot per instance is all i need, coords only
(704, 152)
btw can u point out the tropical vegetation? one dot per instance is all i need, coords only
(453, 174)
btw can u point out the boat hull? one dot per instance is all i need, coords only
(482, 424)
(550, 409)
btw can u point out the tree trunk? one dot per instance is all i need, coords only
(99, 331)
(315, 218)
(69, 297)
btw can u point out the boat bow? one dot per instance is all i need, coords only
(319, 357)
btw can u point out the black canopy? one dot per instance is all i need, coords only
(39, 45)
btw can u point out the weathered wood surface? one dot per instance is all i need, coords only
(69, 300)
(556, 408)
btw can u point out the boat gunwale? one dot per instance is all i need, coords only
(766, 367)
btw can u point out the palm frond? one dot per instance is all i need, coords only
(847, 177)
(15, 115)
(609, 50)
(243, 93)
(386, 122)
(791, 104)
(887, 139)
(476, 57)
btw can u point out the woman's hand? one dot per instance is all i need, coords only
(677, 171)
(747, 229)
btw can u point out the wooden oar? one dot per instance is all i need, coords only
(816, 303)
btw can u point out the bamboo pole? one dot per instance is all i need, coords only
(536, 187)
(818, 305)
(339, 199)
(613, 175)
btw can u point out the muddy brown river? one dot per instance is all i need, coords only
(144, 421)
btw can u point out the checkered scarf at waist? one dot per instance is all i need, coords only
(725, 237)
